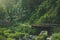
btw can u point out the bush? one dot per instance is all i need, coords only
(2, 37)
(10, 39)
(42, 36)
(55, 36)
(23, 28)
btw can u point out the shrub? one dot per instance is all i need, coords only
(55, 36)
(2, 37)
(42, 36)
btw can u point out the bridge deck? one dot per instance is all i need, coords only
(46, 25)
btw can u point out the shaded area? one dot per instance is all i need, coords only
(43, 27)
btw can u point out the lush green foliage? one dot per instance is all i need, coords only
(29, 11)
(56, 36)
(13, 32)
(41, 36)
(16, 17)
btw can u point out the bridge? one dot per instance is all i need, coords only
(45, 27)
